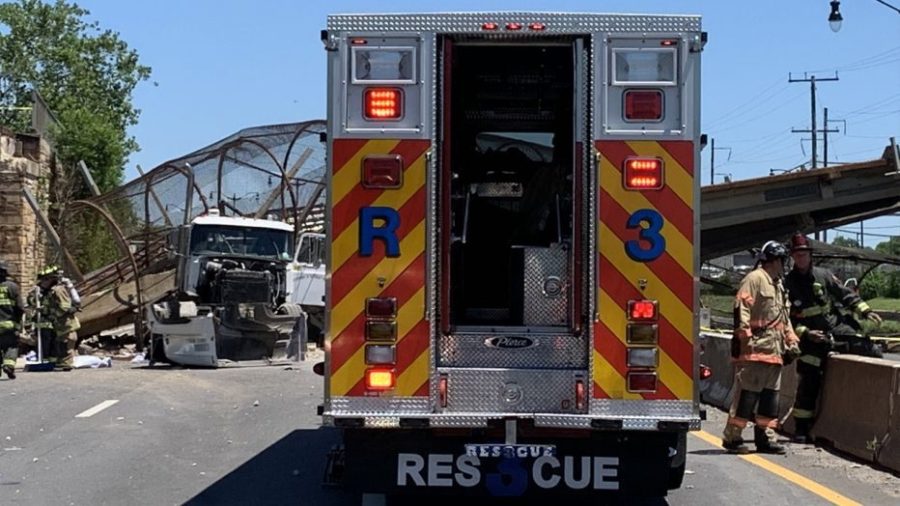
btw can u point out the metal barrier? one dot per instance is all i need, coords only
(716, 349)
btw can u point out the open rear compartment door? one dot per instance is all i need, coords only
(514, 120)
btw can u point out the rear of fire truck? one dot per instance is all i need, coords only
(513, 248)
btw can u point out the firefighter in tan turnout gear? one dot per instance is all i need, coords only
(763, 338)
(57, 314)
(11, 310)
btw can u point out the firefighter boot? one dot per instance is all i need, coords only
(801, 430)
(10, 371)
(766, 441)
(732, 440)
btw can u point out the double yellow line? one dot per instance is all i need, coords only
(801, 481)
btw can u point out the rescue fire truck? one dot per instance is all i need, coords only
(513, 206)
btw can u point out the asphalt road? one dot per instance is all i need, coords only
(250, 435)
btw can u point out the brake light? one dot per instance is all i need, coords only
(490, 26)
(537, 27)
(513, 27)
(383, 103)
(705, 372)
(379, 379)
(643, 105)
(642, 309)
(643, 174)
(382, 171)
(381, 307)
(642, 382)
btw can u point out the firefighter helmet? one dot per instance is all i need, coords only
(49, 271)
(799, 242)
(4, 269)
(773, 250)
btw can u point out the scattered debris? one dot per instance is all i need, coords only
(120, 418)
(91, 361)
(688, 471)
(255, 403)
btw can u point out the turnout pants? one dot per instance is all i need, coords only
(65, 349)
(9, 348)
(810, 373)
(756, 386)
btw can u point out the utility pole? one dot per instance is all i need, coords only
(831, 131)
(712, 160)
(812, 94)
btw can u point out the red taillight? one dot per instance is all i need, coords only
(642, 309)
(537, 27)
(643, 105)
(379, 379)
(705, 372)
(513, 27)
(643, 174)
(358, 42)
(381, 307)
(579, 395)
(642, 382)
(442, 390)
(382, 171)
(490, 26)
(383, 103)
(668, 42)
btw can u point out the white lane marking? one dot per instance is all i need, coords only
(96, 409)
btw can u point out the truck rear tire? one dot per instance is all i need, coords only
(679, 462)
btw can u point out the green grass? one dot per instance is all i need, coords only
(718, 303)
(884, 304)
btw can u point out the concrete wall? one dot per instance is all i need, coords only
(25, 162)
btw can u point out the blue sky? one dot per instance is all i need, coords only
(228, 64)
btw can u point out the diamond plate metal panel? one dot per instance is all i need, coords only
(458, 421)
(546, 286)
(486, 350)
(500, 189)
(555, 23)
(664, 409)
(375, 406)
(511, 391)
(584, 422)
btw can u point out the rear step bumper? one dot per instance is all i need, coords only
(480, 420)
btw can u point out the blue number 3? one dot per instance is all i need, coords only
(651, 235)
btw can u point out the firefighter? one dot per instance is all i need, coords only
(60, 310)
(11, 310)
(820, 312)
(762, 336)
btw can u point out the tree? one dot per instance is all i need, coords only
(84, 73)
(845, 242)
(889, 247)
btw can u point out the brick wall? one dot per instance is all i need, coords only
(24, 163)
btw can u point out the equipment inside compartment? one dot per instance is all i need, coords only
(512, 154)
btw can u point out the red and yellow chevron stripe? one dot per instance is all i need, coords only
(669, 278)
(353, 277)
